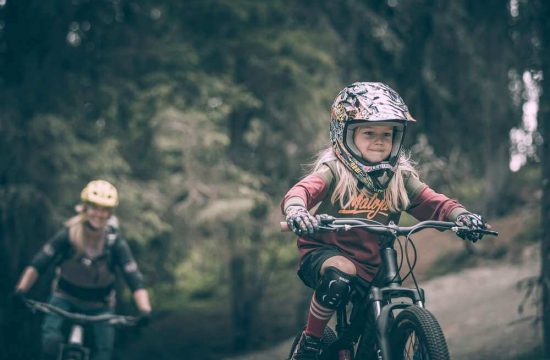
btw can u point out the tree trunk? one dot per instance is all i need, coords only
(21, 233)
(239, 303)
(544, 119)
(497, 175)
(545, 216)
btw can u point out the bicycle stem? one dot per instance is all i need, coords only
(389, 263)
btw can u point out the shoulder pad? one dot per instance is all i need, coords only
(112, 236)
(326, 173)
(331, 165)
(413, 185)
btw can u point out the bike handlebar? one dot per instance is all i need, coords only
(112, 319)
(346, 224)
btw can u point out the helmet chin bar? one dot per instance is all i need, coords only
(381, 166)
(381, 173)
(381, 178)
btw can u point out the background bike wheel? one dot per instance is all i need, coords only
(416, 334)
(329, 336)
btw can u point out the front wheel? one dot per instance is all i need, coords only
(74, 352)
(416, 335)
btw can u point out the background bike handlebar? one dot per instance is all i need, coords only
(394, 230)
(112, 319)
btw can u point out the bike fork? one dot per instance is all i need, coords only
(377, 310)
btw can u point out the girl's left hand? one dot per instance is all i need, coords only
(474, 222)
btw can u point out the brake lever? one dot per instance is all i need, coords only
(335, 228)
(488, 232)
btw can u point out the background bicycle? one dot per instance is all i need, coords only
(76, 345)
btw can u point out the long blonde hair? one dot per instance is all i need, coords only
(78, 236)
(76, 232)
(346, 189)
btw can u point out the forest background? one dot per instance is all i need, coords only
(204, 113)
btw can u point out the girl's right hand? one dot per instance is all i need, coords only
(300, 221)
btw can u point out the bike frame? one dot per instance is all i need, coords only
(386, 286)
(378, 302)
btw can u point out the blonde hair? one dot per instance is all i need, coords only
(76, 232)
(78, 236)
(345, 190)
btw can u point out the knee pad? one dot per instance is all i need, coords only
(334, 288)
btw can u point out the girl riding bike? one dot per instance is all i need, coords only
(86, 253)
(364, 174)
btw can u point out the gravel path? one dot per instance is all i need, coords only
(478, 311)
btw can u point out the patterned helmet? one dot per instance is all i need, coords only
(356, 105)
(100, 192)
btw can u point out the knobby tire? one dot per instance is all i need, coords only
(416, 334)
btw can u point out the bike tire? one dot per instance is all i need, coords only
(329, 336)
(416, 334)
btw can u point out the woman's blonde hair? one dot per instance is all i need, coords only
(78, 236)
(346, 189)
(76, 232)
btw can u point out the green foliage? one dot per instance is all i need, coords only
(198, 277)
(203, 113)
(450, 263)
(532, 232)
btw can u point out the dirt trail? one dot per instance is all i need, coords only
(477, 309)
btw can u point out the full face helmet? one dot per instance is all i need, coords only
(101, 193)
(364, 103)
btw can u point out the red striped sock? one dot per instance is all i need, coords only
(317, 318)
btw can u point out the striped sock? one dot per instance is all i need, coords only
(317, 318)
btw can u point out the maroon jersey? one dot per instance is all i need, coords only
(358, 245)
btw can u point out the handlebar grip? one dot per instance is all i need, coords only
(489, 232)
(284, 226)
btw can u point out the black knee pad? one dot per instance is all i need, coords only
(334, 288)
